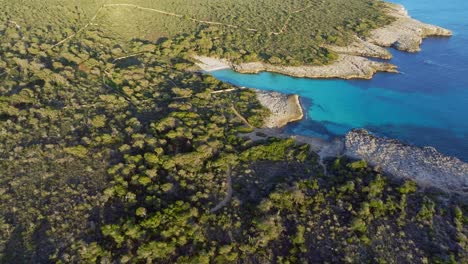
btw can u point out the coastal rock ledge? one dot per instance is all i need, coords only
(424, 165)
(284, 108)
(345, 67)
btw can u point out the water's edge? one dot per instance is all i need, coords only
(425, 105)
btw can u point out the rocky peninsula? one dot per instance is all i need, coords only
(405, 33)
(284, 108)
(345, 67)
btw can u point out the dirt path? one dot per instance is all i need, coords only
(214, 92)
(79, 31)
(281, 31)
(290, 15)
(228, 197)
(145, 9)
(241, 117)
(175, 15)
(225, 91)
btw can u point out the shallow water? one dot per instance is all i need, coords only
(425, 105)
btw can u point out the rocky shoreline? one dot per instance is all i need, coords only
(425, 165)
(345, 67)
(405, 34)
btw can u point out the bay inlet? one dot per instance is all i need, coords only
(425, 105)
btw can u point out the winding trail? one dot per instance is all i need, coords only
(290, 15)
(145, 9)
(129, 56)
(228, 197)
(241, 117)
(177, 15)
(214, 92)
(281, 31)
(79, 31)
(145, 52)
(224, 91)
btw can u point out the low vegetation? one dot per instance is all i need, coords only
(113, 149)
(289, 32)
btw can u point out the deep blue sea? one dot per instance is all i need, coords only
(425, 105)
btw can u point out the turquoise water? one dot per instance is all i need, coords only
(425, 105)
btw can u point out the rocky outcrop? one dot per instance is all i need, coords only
(362, 48)
(405, 33)
(346, 67)
(424, 165)
(284, 108)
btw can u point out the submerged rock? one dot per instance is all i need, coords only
(284, 108)
(424, 165)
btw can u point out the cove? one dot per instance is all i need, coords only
(425, 105)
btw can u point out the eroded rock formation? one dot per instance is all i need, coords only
(424, 165)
